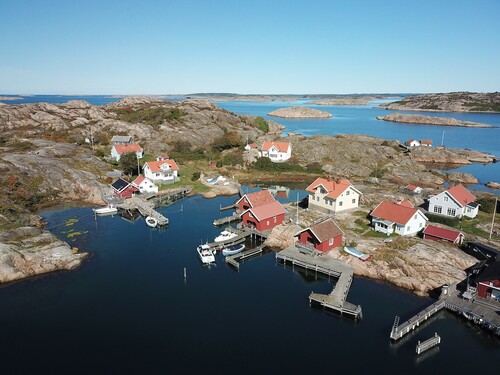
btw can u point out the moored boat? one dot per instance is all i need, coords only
(206, 254)
(233, 249)
(224, 236)
(109, 209)
(151, 222)
(358, 254)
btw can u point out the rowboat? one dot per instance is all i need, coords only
(151, 222)
(358, 254)
(233, 249)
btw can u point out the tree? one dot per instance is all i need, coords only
(128, 163)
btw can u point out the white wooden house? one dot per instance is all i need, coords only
(162, 171)
(118, 150)
(401, 218)
(276, 151)
(145, 185)
(457, 201)
(332, 196)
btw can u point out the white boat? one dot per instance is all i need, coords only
(233, 249)
(358, 254)
(151, 222)
(110, 209)
(224, 236)
(206, 254)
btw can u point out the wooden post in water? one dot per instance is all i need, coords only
(184, 272)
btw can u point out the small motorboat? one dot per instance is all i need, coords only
(206, 254)
(151, 222)
(108, 210)
(233, 249)
(358, 254)
(224, 236)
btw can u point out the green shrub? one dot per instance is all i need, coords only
(150, 116)
(265, 164)
(229, 140)
(261, 124)
(99, 153)
(450, 221)
(233, 158)
(487, 204)
(195, 176)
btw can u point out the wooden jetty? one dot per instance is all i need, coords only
(145, 209)
(478, 310)
(336, 300)
(427, 344)
(227, 219)
(399, 330)
(234, 260)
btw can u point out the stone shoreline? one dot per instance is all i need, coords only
(429, 120)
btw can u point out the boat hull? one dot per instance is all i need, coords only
(206, 254)
(105, 210)
(234, 249)
(151, 222)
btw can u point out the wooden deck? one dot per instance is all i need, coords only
(234, 260)
(336, 300)
(485, 313)
(227, 219)
(145, 208)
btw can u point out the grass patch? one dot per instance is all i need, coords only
(151, 116)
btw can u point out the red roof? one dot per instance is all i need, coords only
(258, 198)
(405, 203)
(267, 211)
(411, 187)
(138, 180)
(132, 147)
(281, 146)
(252, 145)
(394, 212)
(426, 141)
(155, 166)
(446, 234)
(164, 157)
(333, 187)
(461, 194)
(324, 230)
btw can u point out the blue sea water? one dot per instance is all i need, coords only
(129, 310)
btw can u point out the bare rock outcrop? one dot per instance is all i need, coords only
(449, 102)
(282, 236)
(364, 100)
(493, 185)
(462, 177)
(28, 251)
(299, 112)
(430, 120)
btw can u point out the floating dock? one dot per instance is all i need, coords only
(234, 260)
(227, 219)
(428, 344)
(336, 300)
(145, 209)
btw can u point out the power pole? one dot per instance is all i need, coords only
(138, 166)
(493, 218)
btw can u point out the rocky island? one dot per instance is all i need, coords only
(364, 100)
(430, 120)
(299, 112)
(449, 102)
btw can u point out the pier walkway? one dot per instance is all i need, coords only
(427, 344)
(336, 300)
(145, 209)
(227, 219)
(485, 313)
(234, 260)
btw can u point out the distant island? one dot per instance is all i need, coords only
(449, 102)
(299, 112)
(364, 100)
(429, 120)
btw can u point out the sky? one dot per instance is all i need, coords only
(248, 46)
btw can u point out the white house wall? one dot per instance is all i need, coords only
(343, 203)
(444, 204)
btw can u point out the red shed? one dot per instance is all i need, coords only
(434, 233)
(488, 282)
(123, 189)
(324, 235)
(256, 199)
(264, 217)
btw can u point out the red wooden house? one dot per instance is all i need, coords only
(264, 217)
(253, 200)
(488, 282)
(431, 232)
(123, 189)
(324, 235)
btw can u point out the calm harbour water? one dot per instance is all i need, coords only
(128, 309)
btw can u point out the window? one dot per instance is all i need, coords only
(469, 209)
(437, 209)
(274, 217)
(340, 203)
(415, 217)
(408, 228)
(445, 199)
(451, 212)
(420, 225)
(330, 242)
(347, 192)
(354, 201)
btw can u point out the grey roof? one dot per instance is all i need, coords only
(473, 204)
(120, 184)
(121, 138)
(491, 272)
